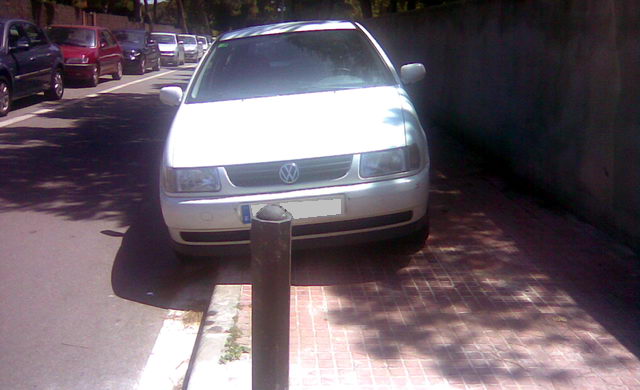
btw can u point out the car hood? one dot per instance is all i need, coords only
(76, 51)
(286, 127)
(167, 46)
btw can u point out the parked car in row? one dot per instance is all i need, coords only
(308, 115)
(203, 42)
(89, 52)
(139, 50)
(192, 49)
(29, 63)
(171, 50)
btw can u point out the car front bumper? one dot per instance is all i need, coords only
(78, 71)
(370, 211)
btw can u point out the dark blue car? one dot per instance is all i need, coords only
(29, 63)
(139, 50)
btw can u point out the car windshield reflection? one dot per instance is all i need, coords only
(282, 64)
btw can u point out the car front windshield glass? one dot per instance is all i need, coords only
(130, 37)
(1, 34)
(283, 64)
(162, 38)
(188, 40)
(73, 36)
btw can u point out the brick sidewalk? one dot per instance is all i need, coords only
(506, 295)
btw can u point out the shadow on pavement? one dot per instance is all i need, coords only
(145, 269)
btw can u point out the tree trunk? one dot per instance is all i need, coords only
(367, 12)
(155, 8)
(136, 10)
(146, 14)
(393, 6)
(181, 15)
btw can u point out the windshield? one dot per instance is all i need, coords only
(130, 37)
(1, 34)
(164, 38)
(282, 64)
(73, 36)
(188, 40)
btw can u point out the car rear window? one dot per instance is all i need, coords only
(164, 38)
(188, 39)
(73, 36)
(300, 62)
(130, 37)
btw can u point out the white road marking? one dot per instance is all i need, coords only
(21, 118)
(135, 82)
(169, 359)
(16, 120)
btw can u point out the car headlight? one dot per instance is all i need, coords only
(390, 161)
(192, 179)
(135, 53)
(77, 60)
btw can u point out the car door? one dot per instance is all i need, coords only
(41, 56)
(151, 49)
(23, 77)
(105, 60)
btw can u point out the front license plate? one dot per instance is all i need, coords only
(300, 209)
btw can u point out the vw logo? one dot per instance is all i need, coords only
(289, 173)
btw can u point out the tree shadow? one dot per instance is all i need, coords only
(97, 159)
(500, 291)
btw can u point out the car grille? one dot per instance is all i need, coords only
(311, 170)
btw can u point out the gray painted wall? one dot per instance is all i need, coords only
(549, 87)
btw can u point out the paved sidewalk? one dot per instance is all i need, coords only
(506, 295)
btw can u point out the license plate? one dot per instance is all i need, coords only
(300, 209)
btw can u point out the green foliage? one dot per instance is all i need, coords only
(232, 350)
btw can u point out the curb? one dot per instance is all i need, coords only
(204, 369)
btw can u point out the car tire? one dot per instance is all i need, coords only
(118, 73)
(142, 66)
(95, 77)
(156, 66)
(56, 87)
(5, 96)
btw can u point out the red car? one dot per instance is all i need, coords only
(89, 52)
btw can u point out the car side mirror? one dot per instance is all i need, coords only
(103, 44)
(412, 73)
(152, 42)
(171, 96)
(180, 42)
(22, 44)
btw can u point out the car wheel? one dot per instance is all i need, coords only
(118, 74)
(95, 76)
(156, 66)
(5, 97)
(142, 66)
(56, 88)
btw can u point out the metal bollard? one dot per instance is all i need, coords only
(271, 286)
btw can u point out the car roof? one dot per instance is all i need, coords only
(162, 32)
(282, 28)
(95, 28)
(129, 30)
(7, 20)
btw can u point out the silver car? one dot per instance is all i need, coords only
(308, 115)
(171, 50)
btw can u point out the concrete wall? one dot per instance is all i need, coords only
(47, 13)
(550, 88)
